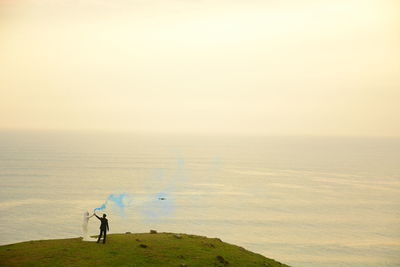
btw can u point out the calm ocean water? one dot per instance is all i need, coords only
(305, 201)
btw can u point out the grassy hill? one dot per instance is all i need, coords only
(161, 249)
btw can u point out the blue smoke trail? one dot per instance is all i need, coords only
(156, 206)
(101, 208)
(121, 201)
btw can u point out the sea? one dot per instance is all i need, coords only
(301, 200)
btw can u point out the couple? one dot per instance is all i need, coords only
(103, 227)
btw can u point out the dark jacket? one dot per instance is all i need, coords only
(104, 223)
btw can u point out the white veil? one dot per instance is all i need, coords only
(85, 232)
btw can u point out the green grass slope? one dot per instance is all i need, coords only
(162, 249)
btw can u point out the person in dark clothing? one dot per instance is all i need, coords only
(103, 227)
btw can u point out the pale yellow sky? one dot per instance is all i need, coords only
(241, 67)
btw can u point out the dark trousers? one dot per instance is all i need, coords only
(102, 231)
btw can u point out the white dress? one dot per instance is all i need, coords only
(85, 234)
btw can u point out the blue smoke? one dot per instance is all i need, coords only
(118, 201)
(154, 206)
(103, 207)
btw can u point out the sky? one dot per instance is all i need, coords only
(290, 67)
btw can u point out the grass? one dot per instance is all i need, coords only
(161, 249)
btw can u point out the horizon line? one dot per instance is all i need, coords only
(191, 133)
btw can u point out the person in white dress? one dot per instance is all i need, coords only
(85, 233)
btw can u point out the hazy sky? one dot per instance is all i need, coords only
(242, 67)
